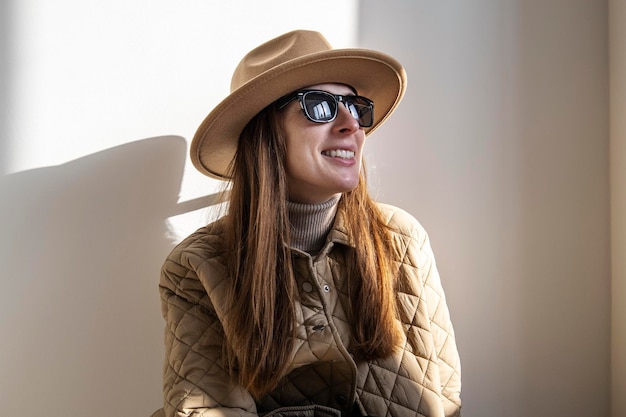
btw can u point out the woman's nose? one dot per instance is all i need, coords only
(345, 121)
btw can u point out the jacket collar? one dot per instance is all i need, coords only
(339, 232)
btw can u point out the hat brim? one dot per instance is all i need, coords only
(373, 74)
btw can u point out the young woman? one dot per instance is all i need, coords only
(307, 298)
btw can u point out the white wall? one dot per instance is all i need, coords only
(617, 22)
(99, 100)
(500, 149)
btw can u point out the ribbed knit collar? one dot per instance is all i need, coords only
(310, 223)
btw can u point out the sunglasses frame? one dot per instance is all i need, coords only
(300, 95)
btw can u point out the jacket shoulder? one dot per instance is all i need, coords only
(207, 241)
(409, 240)
(401, 222)
(200, 256)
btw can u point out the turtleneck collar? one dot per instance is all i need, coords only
(310, 223)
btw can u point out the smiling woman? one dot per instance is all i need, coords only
(307, 298)
(322, 158)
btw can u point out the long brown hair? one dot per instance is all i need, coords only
(260, 325)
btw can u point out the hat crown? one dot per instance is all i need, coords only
(276, 52)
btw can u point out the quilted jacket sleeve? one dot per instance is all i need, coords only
(195, 381)
(441, 328)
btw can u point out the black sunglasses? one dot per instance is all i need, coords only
(321, 106)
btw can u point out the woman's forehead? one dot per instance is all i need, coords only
(335, 88)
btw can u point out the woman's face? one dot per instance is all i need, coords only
(323, 159)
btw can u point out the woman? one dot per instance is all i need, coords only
(307, 298)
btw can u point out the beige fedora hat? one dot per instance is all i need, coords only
(291, 61)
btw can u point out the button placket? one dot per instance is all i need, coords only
(322, 272)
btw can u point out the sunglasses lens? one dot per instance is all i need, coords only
(361, 110)
(320, 107)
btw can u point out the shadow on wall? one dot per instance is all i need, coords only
(81, 249)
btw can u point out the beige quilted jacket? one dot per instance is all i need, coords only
(421, 379)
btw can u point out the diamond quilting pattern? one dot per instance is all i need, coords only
(422, 378)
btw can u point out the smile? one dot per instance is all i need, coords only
(339, 153)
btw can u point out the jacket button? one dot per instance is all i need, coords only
(341, 399)
(326, 288)
(307, 286)
(319, 327)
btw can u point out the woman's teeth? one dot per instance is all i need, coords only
(339, 153)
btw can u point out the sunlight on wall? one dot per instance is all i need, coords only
(101, 102)
(92, 75)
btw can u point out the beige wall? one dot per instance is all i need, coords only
(617, 32)
(501, 149)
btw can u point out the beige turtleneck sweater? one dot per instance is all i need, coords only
(310, 224)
